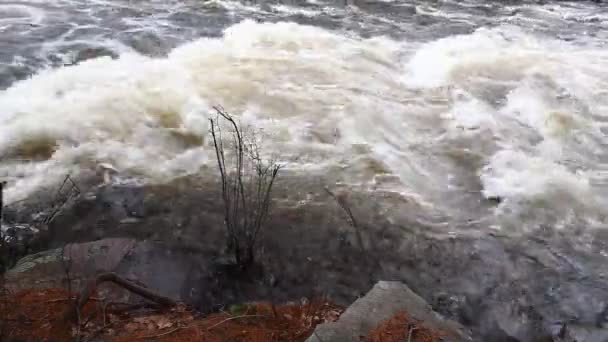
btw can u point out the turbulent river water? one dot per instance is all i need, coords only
(447, 103)
(492, 117)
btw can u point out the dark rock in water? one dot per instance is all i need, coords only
(77, 52)
(146, 43)
(381, 303)
(92, 52)
(495, 199)
(10, 74)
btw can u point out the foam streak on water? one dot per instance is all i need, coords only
(502, 111)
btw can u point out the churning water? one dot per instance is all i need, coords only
(448, 103)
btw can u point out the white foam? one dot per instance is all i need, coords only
(500, 109)
(19, 14)
(139, 113)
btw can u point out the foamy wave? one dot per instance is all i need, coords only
(530, 109)
(148, 117)
(498, 111)
(17, 14)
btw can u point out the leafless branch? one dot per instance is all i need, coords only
(67, 191)
(247, 182)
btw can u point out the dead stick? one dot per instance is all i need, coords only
(164, 334)
(409, 335)
(231, 318)
(84, 296)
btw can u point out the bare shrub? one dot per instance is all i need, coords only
(66, 193)
(246, 181)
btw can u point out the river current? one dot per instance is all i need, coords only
(456, 105)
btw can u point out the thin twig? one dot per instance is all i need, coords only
(165, 333)
(104, 305)
(41, 318)
(89, 318)
(60, 200)
(409, 334)
(232, 318)
(59, 300)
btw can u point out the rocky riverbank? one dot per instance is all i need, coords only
(170, 238)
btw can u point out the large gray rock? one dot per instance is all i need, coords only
(79, 261)
(179, 274)
(381, 303)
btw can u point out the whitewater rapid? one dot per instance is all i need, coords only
(455, 122)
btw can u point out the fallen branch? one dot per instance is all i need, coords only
(84, 296)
